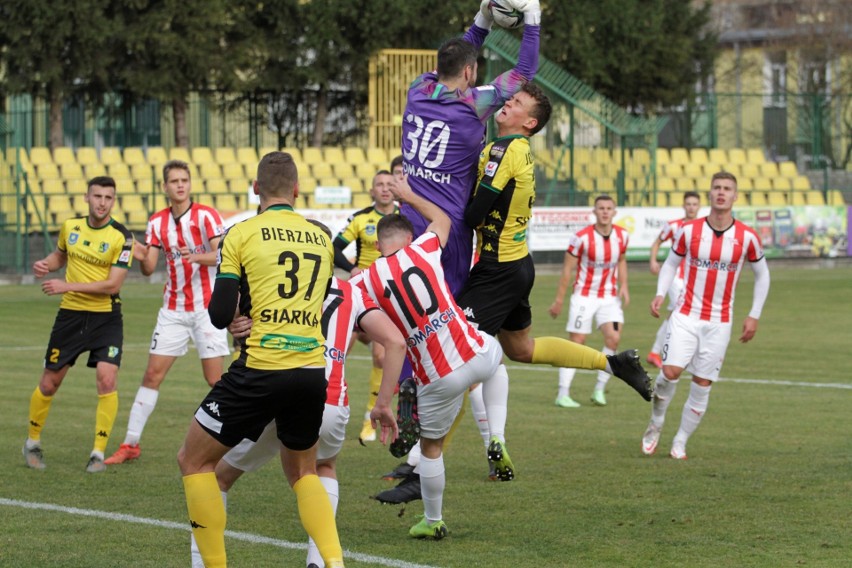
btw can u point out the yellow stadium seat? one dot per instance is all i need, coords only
(799, 198)
(762, 184)
(835, 197)
(312, 155)
(698, 156)
(71, 170)
(303, 169)
(777, 198)
(131, 202)
(118, 169)
(703, 183)
(665, 184)
(60, 206)
(755, 155)
(40, 155)
(640, 156)
(64, 155)
(781, 184)
(328, 181)
(737, 156)
(693, 170)
(239, 186)
(156, 202)
(124, 184)
(224, 155)
(111, 155)
(361, 200)
(76, 186)
(79, 205)
(801, 183)
(86, 156)
(307, 185)
(718, 156)
(768, 169)
(204, 199)
(354, 155)
(233, 170)
(788, 169)
(321, 169)
(180, 153)
(156, 156)
(757, 198)
(134, 155)
(146, 186)
(342, 169)
(247, 155)
(710, 168)
(333, 154)
(585, 184)
(672, 170)
(142, 172)
(684, 184)
(679, 155)
(675, 198)
(366, 171)
(53, 186)
(227, 202)
(815, 197)
(356, 184)
(750, 170)
(94, 170)
(379, 157)
(210, 170)
(216, 185)
(593, 169)
(47, 170)
(663, 156)
(745, 184)
(202, 155)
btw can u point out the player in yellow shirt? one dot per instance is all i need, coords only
(361, 229)
(96, 251)
(284, 264)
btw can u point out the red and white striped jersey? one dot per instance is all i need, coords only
(410, 287)
(188, 286)
(668, 232)
(713, 262)
(342, 309)
(598, 256)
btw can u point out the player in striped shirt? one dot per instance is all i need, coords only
(447, 353)
(598, 253)
(713, 249)
(691, 205)
(345, 309)
(188, 234)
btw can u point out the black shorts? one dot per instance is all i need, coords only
(245, 400)
(497, 295)
(74, 332)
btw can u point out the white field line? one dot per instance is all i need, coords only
(246, 537)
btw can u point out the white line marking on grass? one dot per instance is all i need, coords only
(246, 537)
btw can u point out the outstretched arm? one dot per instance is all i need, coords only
(439, 223)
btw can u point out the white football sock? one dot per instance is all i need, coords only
(495, 394)
(143, 406)
(331, 487)
(477, 407)
(432, 481)
(195, 554)
(664, 391)
(693, 411)
(603, 376)
(566, 376)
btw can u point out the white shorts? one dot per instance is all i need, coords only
(583, 309)
(695, 345)
(174, 329)
(250, 456)
(674, 293)
(440, 401)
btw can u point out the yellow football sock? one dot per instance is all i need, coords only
(107, 409)
(39, 407)
(375, 383)
(318, 518)
(449, 437)
(207, 517)
(563, 353)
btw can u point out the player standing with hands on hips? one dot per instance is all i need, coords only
(713, 249)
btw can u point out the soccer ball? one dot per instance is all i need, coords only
(505, 15)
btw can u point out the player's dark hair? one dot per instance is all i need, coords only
(277, 174)
(175, 165)
(604, 197)
(392, 224)
(723, 175)
(322, 226)
(103, 181)
(454, 56)
(543, 108)
(396, 162)
(694, 194)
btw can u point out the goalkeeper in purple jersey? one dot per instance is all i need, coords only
(443, 128)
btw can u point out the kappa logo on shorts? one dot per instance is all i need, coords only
(213, 407)
(112, 352)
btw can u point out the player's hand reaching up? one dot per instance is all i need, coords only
(530, 8)
(400, 189)
(484, 19)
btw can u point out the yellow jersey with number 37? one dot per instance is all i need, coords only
(285, 265)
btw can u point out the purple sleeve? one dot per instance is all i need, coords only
(528, 55)
(489, 98)
(476, 36)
